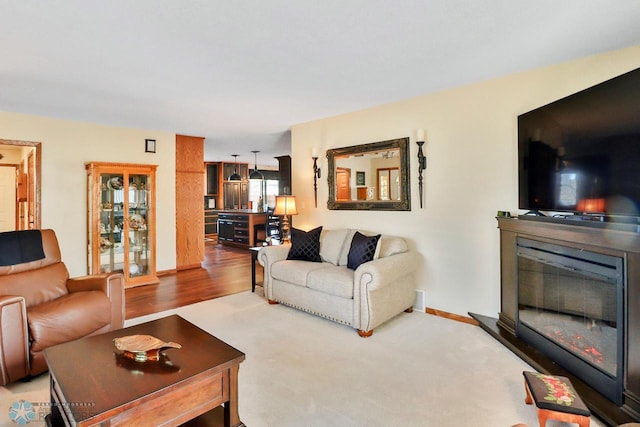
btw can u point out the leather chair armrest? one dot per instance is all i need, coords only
(98, 282)
(111, 284)
(14, 340)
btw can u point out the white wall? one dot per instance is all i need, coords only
(471, 150)
(66, 147)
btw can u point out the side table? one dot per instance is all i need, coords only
(254, 259)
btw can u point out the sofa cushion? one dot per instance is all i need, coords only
(391, 245)
(305, 245)
(332, 280)
(293, 271)
(67, 318)
(37, 286)
(344, 254)
(362, 249)
(331, 244)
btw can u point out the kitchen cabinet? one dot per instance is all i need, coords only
(237, 227)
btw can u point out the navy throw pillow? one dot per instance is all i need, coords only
(305, 245)
(362, 249)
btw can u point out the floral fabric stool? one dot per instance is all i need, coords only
(555, 398)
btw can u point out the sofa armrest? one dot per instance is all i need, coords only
(383, 288)
(267, 256)
(14, 340)
(384, 271)
(111, 284)
(270, 254)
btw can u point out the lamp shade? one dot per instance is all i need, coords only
(285, 205)
(235, 176)
(256, 175)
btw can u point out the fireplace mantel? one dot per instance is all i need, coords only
(601, 239)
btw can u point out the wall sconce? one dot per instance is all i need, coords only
(422, 160)
(316, 175)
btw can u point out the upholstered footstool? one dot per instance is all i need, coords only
(555, 398)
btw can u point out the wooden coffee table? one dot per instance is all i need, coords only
(93, 383)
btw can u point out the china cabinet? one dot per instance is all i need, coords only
(121, 221)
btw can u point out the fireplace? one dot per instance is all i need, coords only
(570, 307)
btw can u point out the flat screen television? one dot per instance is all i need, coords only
(581, 154)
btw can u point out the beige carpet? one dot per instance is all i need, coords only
(300, 370)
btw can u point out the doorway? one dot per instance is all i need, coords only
(343, 184)
(388, 183)
(22, 183)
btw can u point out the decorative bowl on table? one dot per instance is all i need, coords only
(143, 347)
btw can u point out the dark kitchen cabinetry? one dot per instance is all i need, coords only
(284, 166)
(237, 227)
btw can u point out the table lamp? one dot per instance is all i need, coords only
(285, 207)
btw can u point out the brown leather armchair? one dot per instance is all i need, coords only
(40, 306)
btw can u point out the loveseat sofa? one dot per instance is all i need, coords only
(323, 283)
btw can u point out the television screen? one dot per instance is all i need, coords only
(581, 153)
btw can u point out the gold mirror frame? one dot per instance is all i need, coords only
(403, 204)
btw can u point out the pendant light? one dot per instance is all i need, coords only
(256, 173)
(235, 176)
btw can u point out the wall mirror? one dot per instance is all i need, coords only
(371, 176)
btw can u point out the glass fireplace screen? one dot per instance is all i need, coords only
(572, 298)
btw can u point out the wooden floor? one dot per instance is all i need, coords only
(226, 270)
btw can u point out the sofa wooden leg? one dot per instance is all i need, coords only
(272, 301)
(365, 334)
(409, 310)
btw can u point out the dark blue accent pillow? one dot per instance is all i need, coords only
(362, 249)
(305, 245)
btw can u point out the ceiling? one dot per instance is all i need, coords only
(241, 72)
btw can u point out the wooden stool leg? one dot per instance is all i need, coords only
(528, 399)
(545, 414)
(584, 421)
(542, 418)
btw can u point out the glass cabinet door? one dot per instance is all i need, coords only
(111, 223)
(138, 230)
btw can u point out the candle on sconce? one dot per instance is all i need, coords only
(420, 135)
(314, 152)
